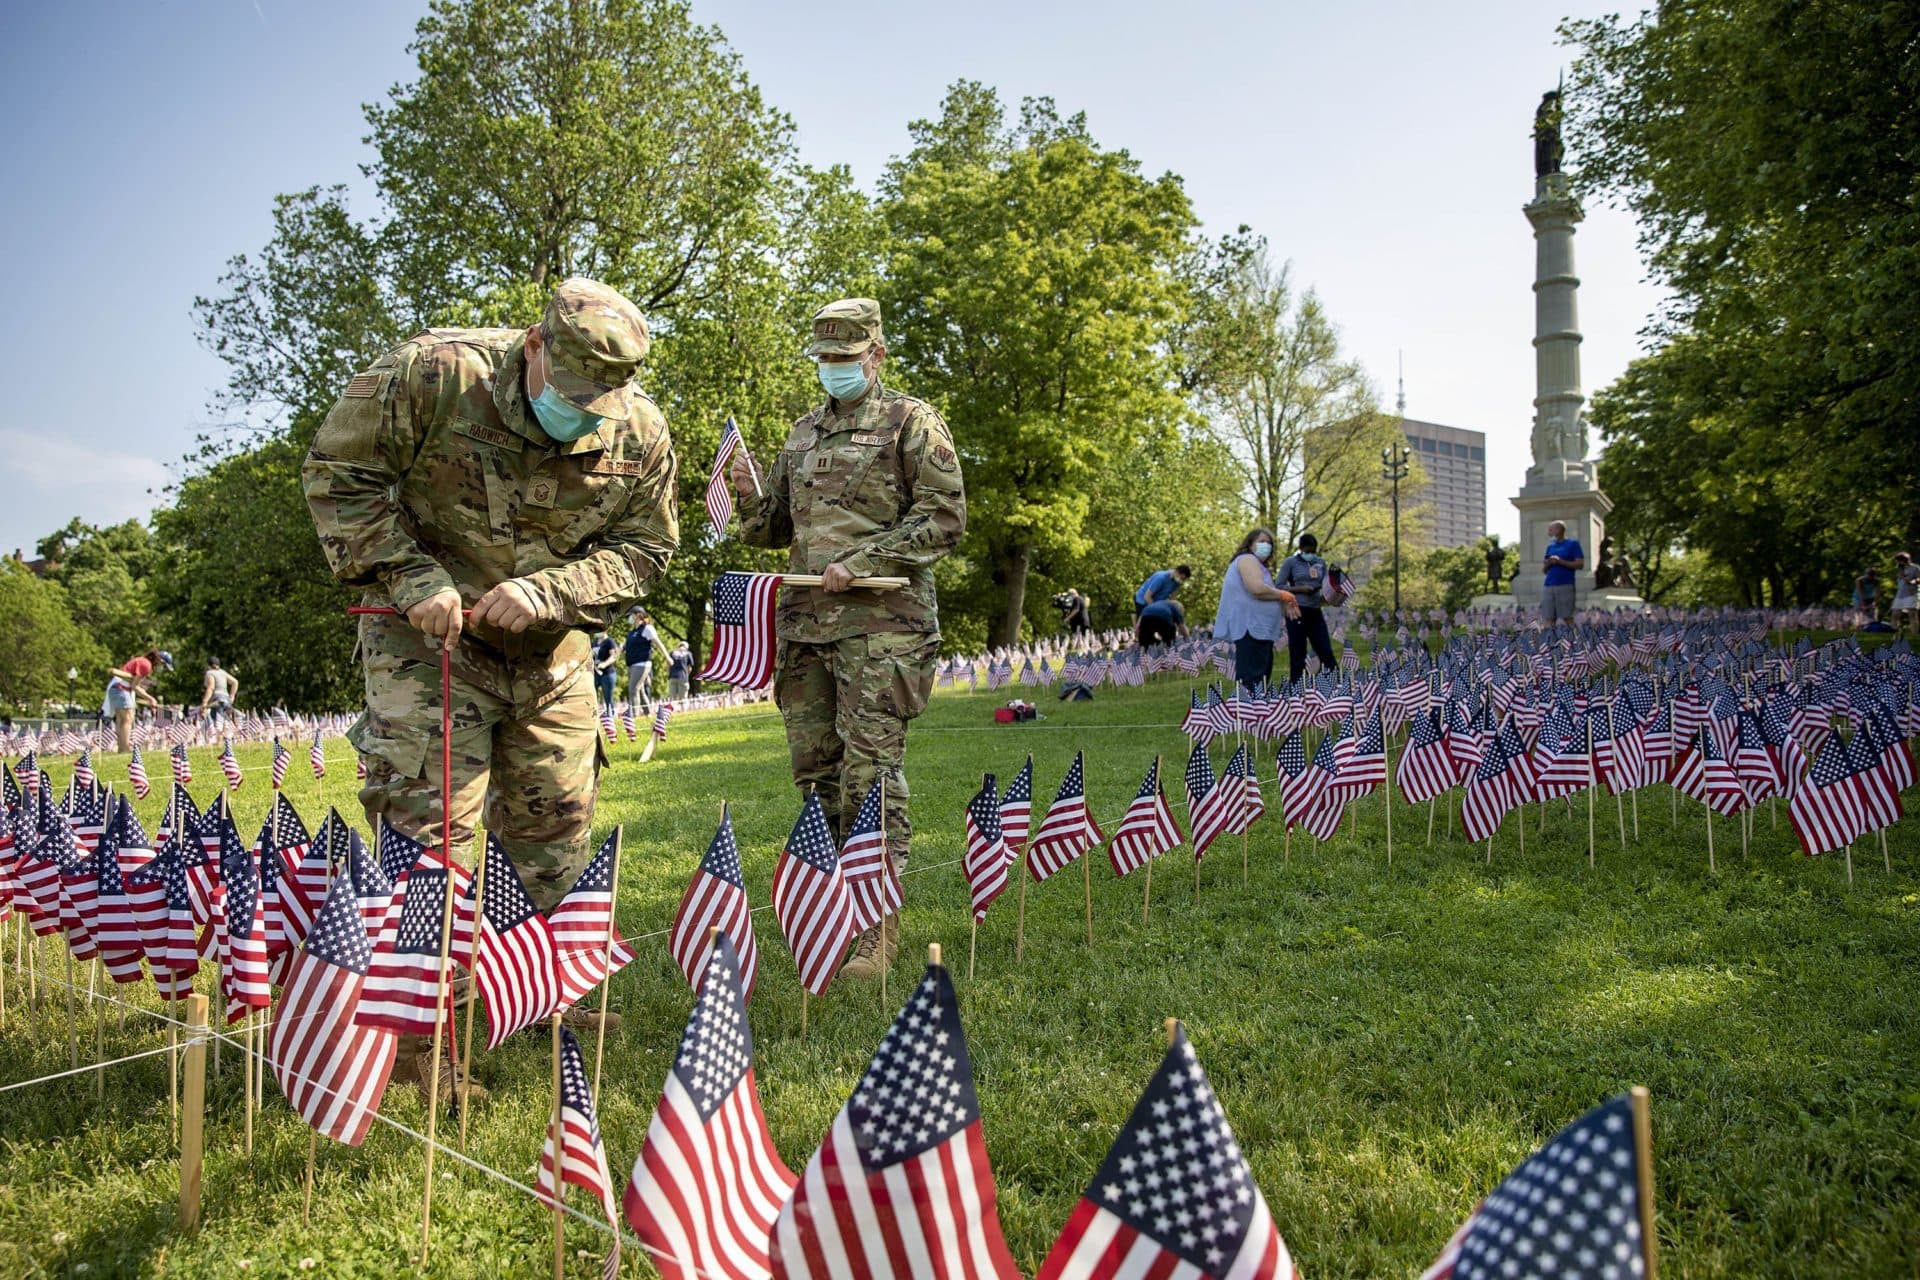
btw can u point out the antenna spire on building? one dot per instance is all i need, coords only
(1401, 402)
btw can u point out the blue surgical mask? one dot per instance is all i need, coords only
(1263, 549)
(843, 379)
(561, 418)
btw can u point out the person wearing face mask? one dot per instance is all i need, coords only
(518, 474)
(1252, 608)
(1305, 575)
(868, 484)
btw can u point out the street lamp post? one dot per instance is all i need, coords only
(1393, 466)
(73, 674)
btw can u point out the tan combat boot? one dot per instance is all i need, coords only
(868, 959)
(413, 1063)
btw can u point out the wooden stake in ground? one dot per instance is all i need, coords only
(1643, 1146)
(99, 1031)
(1146, 897)
(1020, 915)
(1386, 807)
(886, 856)
(1885, 856)
(246, 1081)
(1086, 887)
(973, 941)
(559, 1183)
(1430, 810)
(1711, 866)
(613, 897)
(195, 1115)
(1593, 780)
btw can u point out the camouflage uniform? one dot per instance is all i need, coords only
(874, 486)
(432, 471)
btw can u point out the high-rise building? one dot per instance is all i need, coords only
(1455, 494)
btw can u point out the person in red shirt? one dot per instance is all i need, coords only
(127, 689)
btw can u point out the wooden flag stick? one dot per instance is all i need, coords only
(246, 1082)
(473, 984)
(1146, 898)
(600, 1036)
(1745, 818)
(556, 1140)
(1245, 840)
(1520, 812)
(1386, 807)
(1286, 845)
(1430, 810)
(1635, 793)
(1086, 887)
(803, 1013)
(973, 939)
(193, 1118)
(1643, 1145)
(646, 748)
(1593, 780)
(1710, 862)
(99, 1033)
(1885, 855)
(886, 856)
(1173, 1030)
(814, 580)
(1020, 916)
(1849, 864)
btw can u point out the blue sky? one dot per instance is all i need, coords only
(1382, 147)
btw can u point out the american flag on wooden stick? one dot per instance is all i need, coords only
(901, 1185)
(317, 756)
(1209, 807)
(743, 643)
(403, 989)
(575, 1150)
(137, 775)
(182, 769)
(1068, 830)
(716, 898)
(1016, 807)
(871, 877)
(987, 854)
(239, 926)
(810, 899)
(83, 768)
(1571, 1210)
(230, 766)
(709, 1184)
(719, 489)
(282, 761)
(581, 922)
(1174, 1196)
(1148, 829)
(515, 966)
(332, 1071)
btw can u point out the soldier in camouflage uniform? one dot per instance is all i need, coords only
(868, 485)
(522, 476)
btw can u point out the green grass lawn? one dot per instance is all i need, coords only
(1388, 1043)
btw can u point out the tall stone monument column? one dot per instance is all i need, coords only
(1562, 483)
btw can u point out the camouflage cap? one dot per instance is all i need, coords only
(596, 340)
(846, 328)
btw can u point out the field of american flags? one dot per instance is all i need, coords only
(1387, 1046)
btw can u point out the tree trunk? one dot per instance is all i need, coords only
(1013, 569)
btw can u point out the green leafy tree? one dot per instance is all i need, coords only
(1296, 415)
(42, 642)
(243, 580)
(1765, 148)
(104, 574)
(1031, 287)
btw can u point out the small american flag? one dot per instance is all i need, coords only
(743, 644)
(716, 898)
(165, 915)
(662, 715)
(516, 967)
(332, 1071)
(582, 923)
(403, 989)
(1424, 771)
(282, 760)
(901, 1185)
(1501, 782)
(1243, 800)
(1208, 806)
(1296, 782)
(281, 845)
(1571, 1211)
(1827, 811)
(1068, 830)
(83, 768)
(1705, 774)
(182, 768)
(709, 1183)
(1016, 807)
(1174, 1196)
(230, 766)
(576, 1149)
(607, 726)
(1321, 805)
(137, 775)
(987, 854)
(317, 756)
(871, 877)
(1148, 829)
(627, 724)
(240, 928)
(1363, 771)
(719, 490)
(810, 899)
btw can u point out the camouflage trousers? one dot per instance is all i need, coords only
(846, 704)
(526, 748)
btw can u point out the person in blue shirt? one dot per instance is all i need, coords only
(1251, 608)
(1304, 576)
(1563, 556)
(1159, 623)
(605, 654)
(1161, 587)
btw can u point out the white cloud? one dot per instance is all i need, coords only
(47, 479)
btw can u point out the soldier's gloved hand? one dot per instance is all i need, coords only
(438, 616)
(508, 606)
(742, 471)
(836, 577)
